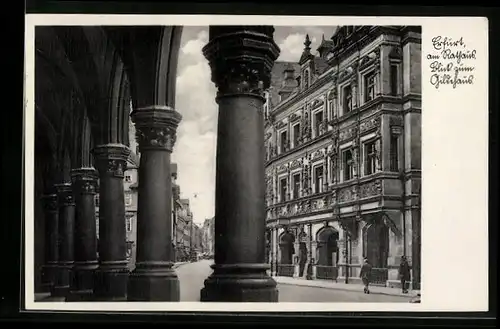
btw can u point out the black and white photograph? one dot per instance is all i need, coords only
(229, 163)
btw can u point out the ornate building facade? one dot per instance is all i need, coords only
(343, 156)
(209, 235)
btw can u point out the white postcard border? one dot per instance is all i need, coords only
(454, 169)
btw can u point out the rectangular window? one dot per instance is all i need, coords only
(283, 190)
(370, 86)
(394, 153)
(348, 164)
(318, 179)
(347, 99)
(97, 200)
(394, 79)
(284, 142)
(370, 158)
(296, 186)
(296, 134)
(318, 120)
(128, 178)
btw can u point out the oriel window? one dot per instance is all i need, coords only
(369, 86)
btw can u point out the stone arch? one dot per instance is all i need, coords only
(287, 239)
(375, 236)
(327, 248)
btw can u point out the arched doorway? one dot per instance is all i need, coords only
(285, 266)
(327, 253)
(376, 250)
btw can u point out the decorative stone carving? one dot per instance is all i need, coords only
(111, 159)
(370, 189)
(282, 168)
(241, 59)
(370, 124)
(267, 136)
(296, 164)
(280, 125)
(156, 127)
(294, 117)
(156, 137)
(305, 180)
(64, 194)
(347, 133)
(85, 180)
(306, 128)
(319, 154)
(317, 102)
(348, 194)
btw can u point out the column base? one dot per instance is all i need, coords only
(153, 281)
(80, 296)
(111, 282)
(60, 291)
(63, 282)
(83, 281)
(239, 283)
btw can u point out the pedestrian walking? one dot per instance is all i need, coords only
(404, 274)
(365, 275)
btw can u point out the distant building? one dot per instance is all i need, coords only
(209, 235)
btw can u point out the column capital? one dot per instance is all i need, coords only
(111, 159)
(86, 179)
(64, 194)
(241, 58)
(50, 202)
(156, 127)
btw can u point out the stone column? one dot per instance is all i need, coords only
(51, 236)
(65, 240)
(153, 278)
(241, 59)
(112, 275)
(84, 188)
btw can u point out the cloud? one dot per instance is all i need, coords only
(292, 47)
(194, 150)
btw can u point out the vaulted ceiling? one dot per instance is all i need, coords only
(82, 89)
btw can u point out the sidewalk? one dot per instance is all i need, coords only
(343, 286)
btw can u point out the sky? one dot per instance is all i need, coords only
(194, 151)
